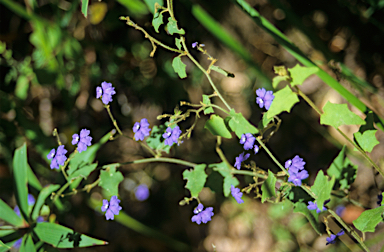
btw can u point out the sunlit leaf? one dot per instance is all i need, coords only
(196, 179)
(215, 124)
(178, 43)
(322, 188)
(110, 179)
(179, 67)
(339, 114)
(283, 101)
(157, 21)
(367, 141)
(207, 101)
(300, 73)
(238, 124)
(369, 219)
(276, 80)
(172, 27)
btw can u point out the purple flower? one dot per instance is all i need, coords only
(58, 157)
(313, 206)
(105, 92)
(248, 140)
(297, 177)
(339, 210)
(82, 141)
(171, 135)
(194, 44)
(17, 244)
(237, 194)
(264, 98)
(202, 215)
(332, 238)
(31, 200)
(112, 207)
(241, 158)
(141, 129)
(142, 192)
(256, 149)
(295, 165)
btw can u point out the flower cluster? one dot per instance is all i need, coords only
(58, 157)
(237, 194)
(241, 158)
(82, 141)
(332, 238)
(264, 98)
(105, 92)
(313, 206)
(296, 170)
(111, 208)
(202, 216)
(171, 135)
(141, 129)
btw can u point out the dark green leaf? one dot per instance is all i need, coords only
(238, 124)
(215, 124)
(339, 114)
(195, 179)
(343, 170)
(229, 179)
(283, 101)
(322, 188)
(7, 214)
(299, 74)
(157, 21)
(84, 7)
(62, 237)
(110, 179)
(82, 171)
(20, 166)
(268, 187)
(43, 195)
(312, 216)
(172, 27)
(369, 219)
(367, 140)
(179, 67)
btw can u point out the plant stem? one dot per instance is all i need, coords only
(161, 159)
(249, 173)
(271, 155)
(62, 189)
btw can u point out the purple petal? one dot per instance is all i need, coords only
(75, 139)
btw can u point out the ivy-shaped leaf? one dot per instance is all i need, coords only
(322, 188)
(369, 219)
(179, 67)
(178, 43)
(172, 27)
(229, 179)
(238, 124)
(343, 170)
(276, 80)
(157, 20)
(299, 74)
(283, 101)
(339, 114)
(215, 124)
(312, 216)
(367, 140)
(207, 101)
(110, 179)
(268, 187)
(195, 179)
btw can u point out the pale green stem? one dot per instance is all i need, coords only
(60, 192)
(161, 159)
(271, 155)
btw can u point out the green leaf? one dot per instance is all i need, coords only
(62, 237)
(215, 124)
(110, 179)
(7, 214)
(229, 179)
(32, 179)
(135, 7)
(312, 216)
(4, 246)
(238, 124)
(155, 140)
(27, 244)
(179, 67)
(84, 7)
(178, 43)
(283, 101)
(369, 219)
(22, 86)
(207, 101)
(172, 27)
(322, 188)
(157, 21)
(276, 80)
(43, 195)
(151, 4)
(367, 140)
(20, 174)
(339, 114)
(265, 121)
(299, 74)
(195, 179)
(222, 71)
(268, 187)
(82, 171)
(343, 170)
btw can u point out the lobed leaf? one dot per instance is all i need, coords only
(369, 219)
(268, 187)
(276, 80)
(196, 179)
(20, 168)
(157, 21)
(300, 73)
(172, 27)
(366, 140)
(178, 44)
(62, 237)
(215, 124)
(238, 124)
(110, 180)
(207, 101)
(343, 170)
(283, 101)
(229, 179)
(322, 188)
(179, 67)
(82, 171)
(339, 114)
